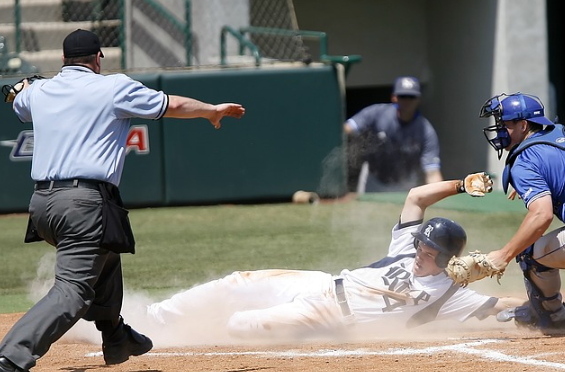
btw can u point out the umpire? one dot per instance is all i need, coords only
(81, 121)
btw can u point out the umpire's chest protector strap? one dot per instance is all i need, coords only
(554, 137)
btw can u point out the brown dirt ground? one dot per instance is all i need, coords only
(477, 346)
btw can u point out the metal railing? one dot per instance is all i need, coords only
(98, 20)
(17, 21)
(243, 44)
(322, 37)
(185, 28)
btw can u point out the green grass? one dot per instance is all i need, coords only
(178, 247)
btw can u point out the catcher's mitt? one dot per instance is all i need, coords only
(475, 266)
(475, 184)
(10, 91)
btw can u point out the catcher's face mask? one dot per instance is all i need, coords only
(513, 107)
(497, 135)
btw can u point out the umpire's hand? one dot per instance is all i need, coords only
(226, 109)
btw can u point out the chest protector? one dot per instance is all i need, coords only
(554, 136)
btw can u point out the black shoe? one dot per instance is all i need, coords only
(7, 366)
(123, 343)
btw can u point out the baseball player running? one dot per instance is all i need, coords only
(409, 286)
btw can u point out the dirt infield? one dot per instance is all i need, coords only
(471, 346)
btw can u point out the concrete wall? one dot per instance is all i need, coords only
(461, 50)
(391, 35)
(207, 19)
(521, 56)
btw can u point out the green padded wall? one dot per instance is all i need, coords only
(290, 138)
(16, 144)
(142, 182)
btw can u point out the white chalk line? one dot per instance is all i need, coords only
(466, 348)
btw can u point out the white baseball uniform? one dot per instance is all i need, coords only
(259, 303)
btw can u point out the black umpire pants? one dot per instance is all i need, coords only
(88, 280)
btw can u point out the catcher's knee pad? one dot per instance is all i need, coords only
(535, 314)
(527, 262)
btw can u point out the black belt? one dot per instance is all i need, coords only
(67, 184)
(341, 298)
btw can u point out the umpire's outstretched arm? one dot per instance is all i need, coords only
(189, 108)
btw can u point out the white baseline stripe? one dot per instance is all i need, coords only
(466, 348)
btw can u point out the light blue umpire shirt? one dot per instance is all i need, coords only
(81, 122)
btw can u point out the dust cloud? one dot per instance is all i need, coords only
(206, 326)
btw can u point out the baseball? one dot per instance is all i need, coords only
(305, 197)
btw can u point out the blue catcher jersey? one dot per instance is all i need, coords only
(537, 167)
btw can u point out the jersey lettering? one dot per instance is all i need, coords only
(391, 303)
(423, 296)
(398, 280)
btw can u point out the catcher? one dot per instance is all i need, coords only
(407, 288)
(535, 166)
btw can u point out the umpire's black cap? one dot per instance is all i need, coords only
(81, 43)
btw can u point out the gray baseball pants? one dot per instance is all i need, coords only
(88, 279)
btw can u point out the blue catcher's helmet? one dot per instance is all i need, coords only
(444, 235)
(517, 106)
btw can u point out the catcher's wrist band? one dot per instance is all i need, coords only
(460, 186)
